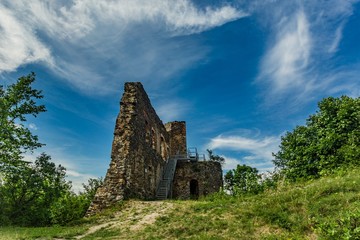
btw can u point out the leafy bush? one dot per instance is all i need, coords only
(72, 207)
(330, 139)
(68, 208)
(28, 190)
(243, 179)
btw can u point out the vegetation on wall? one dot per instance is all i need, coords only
(215, 158)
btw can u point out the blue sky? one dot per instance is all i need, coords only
(240, 73)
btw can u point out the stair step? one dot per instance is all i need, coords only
(165, 183)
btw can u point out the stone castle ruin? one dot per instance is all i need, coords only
(150, 160)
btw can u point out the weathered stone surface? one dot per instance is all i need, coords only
(177, 137)
(141, 146)
(194, 179)
(139, 150)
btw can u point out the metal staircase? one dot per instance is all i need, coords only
(165, 185)
(164, 190)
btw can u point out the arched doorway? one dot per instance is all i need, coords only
(194, 189)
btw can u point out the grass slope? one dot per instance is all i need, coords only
(328, 208)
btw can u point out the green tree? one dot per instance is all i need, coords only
(28, 191)
(17, 101)
(91, 187)
(330, 139)
(71, 207)
(32, 194)
(243, 180)
(215, 158)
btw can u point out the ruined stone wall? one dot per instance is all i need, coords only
(139, 150)
(194, 179)
(177, 137)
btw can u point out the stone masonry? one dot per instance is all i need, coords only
(141, 147)
(194, 179)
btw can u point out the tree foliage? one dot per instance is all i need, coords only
(215, 158)
(91, 187)
(32, 194)
(71, 207)
(28, 190)
(17, 101)
(329, 140)
(243, 180)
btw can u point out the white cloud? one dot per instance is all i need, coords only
(33, 126)
(337, 38)
(18, 43)
(172, 110)
(304, 38)
(95, 45)
(79, 18)
(78, 179)
(285, 63)
(257, 150)
(349, 77)
(231, 163)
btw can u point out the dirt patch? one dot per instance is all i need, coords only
(135, 216)
(150, 217)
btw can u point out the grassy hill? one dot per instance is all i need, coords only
(328, 208)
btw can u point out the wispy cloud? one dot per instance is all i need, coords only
(172, 110)
(18, 44)
(256, 151)
(284, 64)
(304, 38)
(231, 163)
(33, 126)
(94, 45)
(77, 19)
(337, 38)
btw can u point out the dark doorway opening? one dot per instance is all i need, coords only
(194, 189)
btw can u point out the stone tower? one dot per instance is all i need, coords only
(141, 148)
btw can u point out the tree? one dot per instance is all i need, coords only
(27, 190)
(30, 189)
(91, 187)
(17, 101)
(32, 194)
(215, 158)
(71, 206)
(330, 139)
(243, 180)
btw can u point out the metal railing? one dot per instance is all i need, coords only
(165, 185)
(164, 189)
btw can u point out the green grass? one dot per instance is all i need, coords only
(10, 233)
(328, 208)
